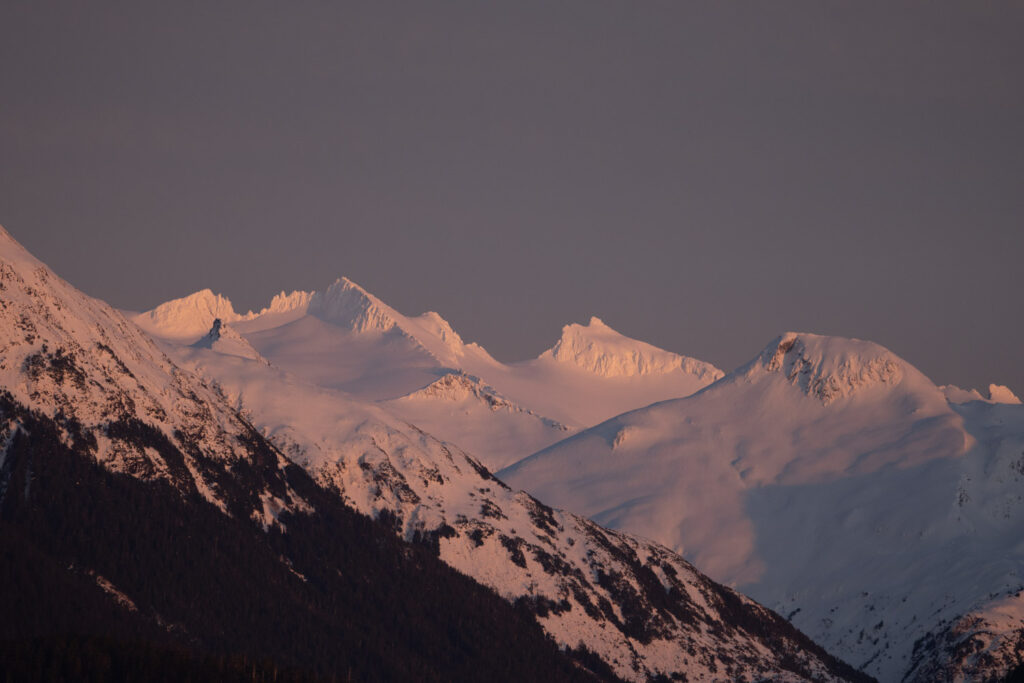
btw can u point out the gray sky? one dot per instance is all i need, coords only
(702, 176)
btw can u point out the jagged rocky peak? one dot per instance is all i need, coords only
(285, 302)
(997, 393)
(188, 316)
(599, 349)
(346, 303)
(830, 368)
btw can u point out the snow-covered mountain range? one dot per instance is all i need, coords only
(221, 424)
(587, 585)
(827, 477)
(345, 338)
(833, 481)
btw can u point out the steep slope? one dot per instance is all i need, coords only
(832, 481)
(640, 608)
(79, 362)
(136, 503)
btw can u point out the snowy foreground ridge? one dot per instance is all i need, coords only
(640, 607)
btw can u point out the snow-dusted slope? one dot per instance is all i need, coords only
(640, 607)
(829, 479)
(346, 338)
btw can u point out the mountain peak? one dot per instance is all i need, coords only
(285, 302)
(828, 368)
(346, 303)
(599, 349)
(997, 393)
(189, 316)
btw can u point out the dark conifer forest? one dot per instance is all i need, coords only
(332, 595)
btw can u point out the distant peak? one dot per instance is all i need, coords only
(347, 304)
(997, 393)
(188, 316)
(828, 368)
(599, 349)
(460, 386)
(285, 302)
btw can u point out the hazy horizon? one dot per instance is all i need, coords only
(701, 177)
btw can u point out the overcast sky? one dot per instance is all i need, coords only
(703, 176)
